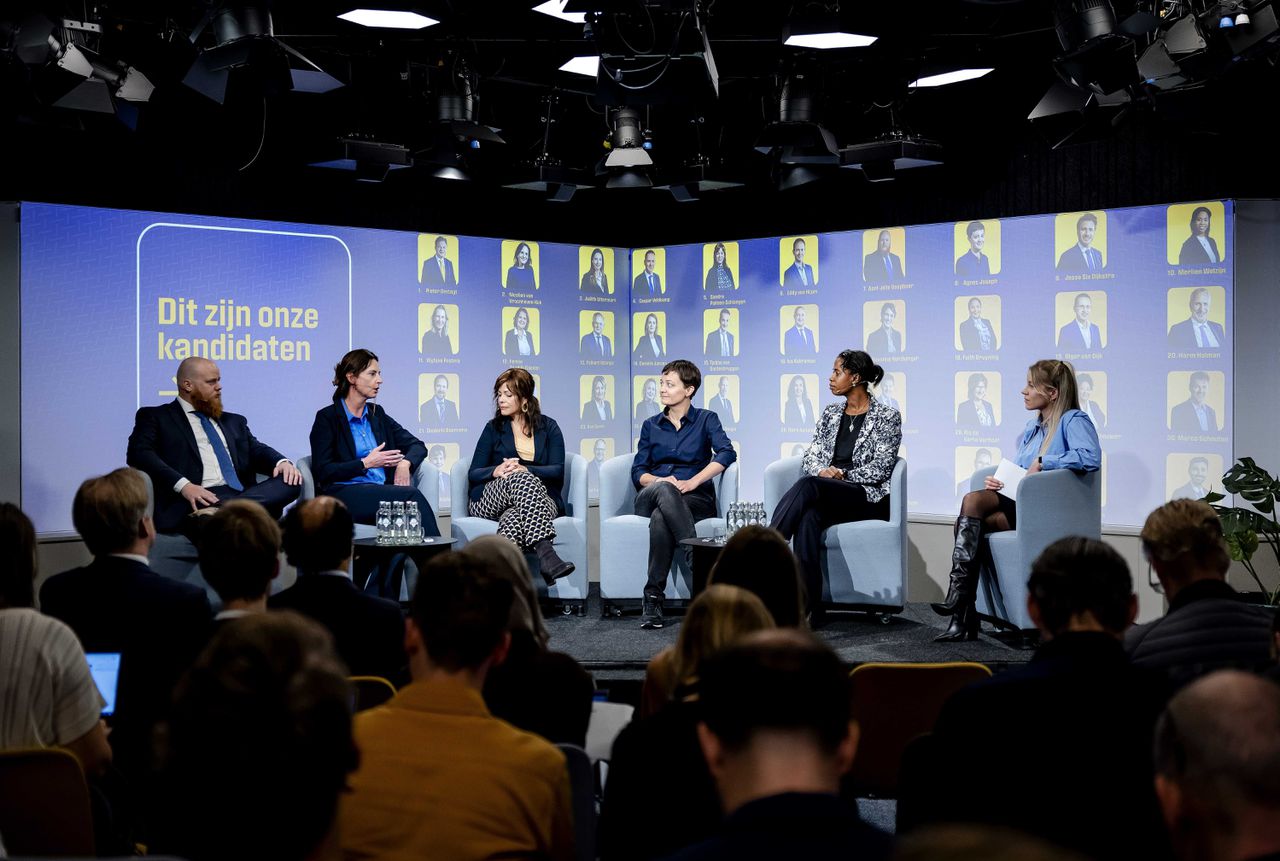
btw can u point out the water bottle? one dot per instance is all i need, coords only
(384, 522)
(413, 523)
(397, 523)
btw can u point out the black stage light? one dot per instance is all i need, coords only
(628, 164)
(881, 160)
(369, 160)
(245, 44)
(1067, 114)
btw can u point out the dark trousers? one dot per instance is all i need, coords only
(672, 516)
(362, 501)
(812, 505)
(272, 494)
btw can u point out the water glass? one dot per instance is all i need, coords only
(397, 523)
(384, 522)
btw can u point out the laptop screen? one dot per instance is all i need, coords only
(105, 668)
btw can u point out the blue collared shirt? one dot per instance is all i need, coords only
(1073, 446)
(682, 453)
(362, 435)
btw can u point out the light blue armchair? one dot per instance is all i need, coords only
(1051, 505)
(865, 562)
(624, 535)
(571, 529)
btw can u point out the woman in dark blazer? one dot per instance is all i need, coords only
(520, 274)
(519, 340)
(650, 346)
(799, 409)
(846, 468)
(436, 341)
(1193, 251)
(517, 472)
(976, 411)
(361, 455)
(595, 280)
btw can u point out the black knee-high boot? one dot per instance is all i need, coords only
(964, 624)
(964, 567)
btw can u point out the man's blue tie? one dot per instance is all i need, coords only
(221, 453)
(888, 264)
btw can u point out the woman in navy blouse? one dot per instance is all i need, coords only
(517, 472)
(681, 449)
(1059, 436)
(361, 455)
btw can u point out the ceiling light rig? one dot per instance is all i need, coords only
(818, 26)
(628, 164)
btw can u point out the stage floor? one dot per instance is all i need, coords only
(620, 648)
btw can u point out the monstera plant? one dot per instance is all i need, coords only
(1247, 529)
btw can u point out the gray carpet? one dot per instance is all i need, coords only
(620, 648)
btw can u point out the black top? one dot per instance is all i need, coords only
(805, 825)
(1075, 724)
(1208, 627)
(846, 436)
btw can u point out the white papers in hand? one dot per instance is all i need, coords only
(1009, 473)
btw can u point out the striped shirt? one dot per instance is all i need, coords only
(47, 695)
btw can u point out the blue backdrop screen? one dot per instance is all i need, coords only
(113, 300)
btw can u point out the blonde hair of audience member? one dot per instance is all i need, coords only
(1183, 542)
(759, 560)
(717, 618)
(1053, 374)
(110, 513)
(505, 560)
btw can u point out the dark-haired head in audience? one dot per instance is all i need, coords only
(17, 558)
(1217, 754)
(367, 630)
(110, 513)
(1207, 626)
(757, 559)
(458, 623)
(259, 744)
(1079, 584)
(317, 535)
(777, 735)
(240, 556)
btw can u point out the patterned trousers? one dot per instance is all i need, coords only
(521, 505)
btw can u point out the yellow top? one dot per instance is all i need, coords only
(440, 777)
(524, 445)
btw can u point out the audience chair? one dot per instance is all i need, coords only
(1051, 505)
(44, 804)
(864, 564)
(370, 691)
(583, 786)
(624, 536)
(894, 703)
(571, 530)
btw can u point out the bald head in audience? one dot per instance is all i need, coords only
(1218, 767)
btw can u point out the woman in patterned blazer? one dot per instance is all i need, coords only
(846, 468)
